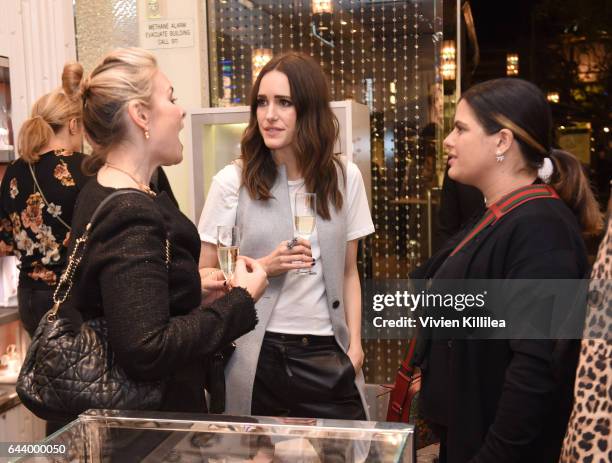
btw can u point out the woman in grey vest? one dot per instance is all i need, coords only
(304, 358)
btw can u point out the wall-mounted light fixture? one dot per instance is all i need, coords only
(448, 64)
(553, 97)
(393, 91)
(321, 20)
(260, 57)
(322, 6)
(512, 64)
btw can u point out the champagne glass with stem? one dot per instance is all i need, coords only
(304, 220)
(228, 249)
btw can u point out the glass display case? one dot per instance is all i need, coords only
(12, 345)
(99, 435)
(17, 423)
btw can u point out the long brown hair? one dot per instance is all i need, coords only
(520, 106)
(315, 135)
(51, 113)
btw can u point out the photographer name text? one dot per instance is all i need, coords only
(431, 302)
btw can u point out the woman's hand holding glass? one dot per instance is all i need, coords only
(286, 257)
(250, 275)
(213, 285)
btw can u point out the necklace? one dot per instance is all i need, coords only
(141, 186)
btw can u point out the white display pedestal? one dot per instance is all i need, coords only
(213, 137)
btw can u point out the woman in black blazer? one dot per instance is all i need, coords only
(140, 268)
(495, 401)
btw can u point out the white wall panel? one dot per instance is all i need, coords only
(38, 38)
(48, 38)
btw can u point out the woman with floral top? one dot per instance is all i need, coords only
(38, 193)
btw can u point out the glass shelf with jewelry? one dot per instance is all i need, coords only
(102, 435)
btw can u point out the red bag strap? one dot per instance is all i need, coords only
(406, 365)
(508, 203)
(400, 398)
(399, 409)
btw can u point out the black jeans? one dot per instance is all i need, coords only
(305, 376)
(33, 304)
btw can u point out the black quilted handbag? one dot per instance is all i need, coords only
(69, 369)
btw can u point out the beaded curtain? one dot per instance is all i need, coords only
(380, 53)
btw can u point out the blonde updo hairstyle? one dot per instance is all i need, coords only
(51, 113)
(123, 75)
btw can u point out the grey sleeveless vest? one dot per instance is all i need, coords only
(263, 225)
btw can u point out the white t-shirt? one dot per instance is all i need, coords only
(302, 304)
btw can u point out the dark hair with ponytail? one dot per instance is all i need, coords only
(521, 107)
(50, 113)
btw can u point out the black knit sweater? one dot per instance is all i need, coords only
(156, 325)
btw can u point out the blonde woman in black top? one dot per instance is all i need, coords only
(140, 268)
(38, 194)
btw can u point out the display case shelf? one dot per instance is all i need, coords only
(100, 435)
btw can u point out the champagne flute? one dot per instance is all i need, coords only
(228, 249)
(305, 215)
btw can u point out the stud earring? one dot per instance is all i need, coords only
(146, 134)
(499, 156)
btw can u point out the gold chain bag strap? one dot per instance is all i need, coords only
(69, 369)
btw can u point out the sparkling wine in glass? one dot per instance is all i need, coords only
(228, 249)
(305, 219)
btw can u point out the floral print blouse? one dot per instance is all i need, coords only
(30, 228)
